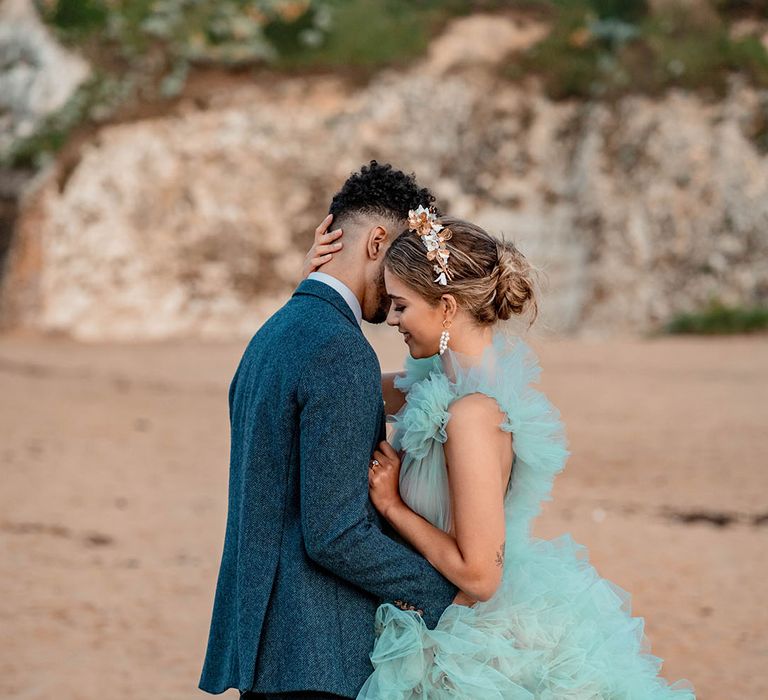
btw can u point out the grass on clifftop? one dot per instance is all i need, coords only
(596, 48)
(143, 50)
(594, 51)
(156, 36)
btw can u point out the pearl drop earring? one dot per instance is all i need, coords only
(445, 336)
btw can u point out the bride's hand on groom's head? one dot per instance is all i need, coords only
(384, 478)
(324, 246)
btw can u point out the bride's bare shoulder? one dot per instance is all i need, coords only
(476, 410)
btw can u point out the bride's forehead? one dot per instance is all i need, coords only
(396, 287)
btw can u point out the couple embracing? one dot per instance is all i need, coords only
(356, 568)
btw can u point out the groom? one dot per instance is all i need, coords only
(306, 561)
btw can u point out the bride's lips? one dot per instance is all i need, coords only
(406, 337)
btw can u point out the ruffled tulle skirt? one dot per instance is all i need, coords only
(555, 630)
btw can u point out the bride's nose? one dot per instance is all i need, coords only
(392, 317)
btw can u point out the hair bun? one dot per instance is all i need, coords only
(515, 283)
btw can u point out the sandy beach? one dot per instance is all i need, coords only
(114, 471)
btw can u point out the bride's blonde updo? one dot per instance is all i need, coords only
(490, 279)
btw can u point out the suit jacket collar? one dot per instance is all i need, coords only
(328, 294)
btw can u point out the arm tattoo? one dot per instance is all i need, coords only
(500, 556)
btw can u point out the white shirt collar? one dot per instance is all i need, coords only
(341, 288)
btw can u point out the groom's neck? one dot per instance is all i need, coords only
(354, 279)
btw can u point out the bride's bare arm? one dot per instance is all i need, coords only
(393, 398)
(476, 451)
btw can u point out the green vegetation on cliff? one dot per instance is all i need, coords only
(718, 318)
(609, 48)
(144, 50)
(596, 47)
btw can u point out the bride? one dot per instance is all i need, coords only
(474, 453)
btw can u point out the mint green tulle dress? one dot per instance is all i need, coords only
(554, 630)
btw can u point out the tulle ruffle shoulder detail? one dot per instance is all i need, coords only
(505, 372)
(425, 415)
(415, 371)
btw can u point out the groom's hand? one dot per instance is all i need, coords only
(323, 247)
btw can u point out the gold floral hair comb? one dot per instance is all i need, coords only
(424, 222)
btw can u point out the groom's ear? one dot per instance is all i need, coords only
(378, 238)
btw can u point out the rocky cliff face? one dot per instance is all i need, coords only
(196, 223)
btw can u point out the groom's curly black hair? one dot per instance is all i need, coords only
(381, 190)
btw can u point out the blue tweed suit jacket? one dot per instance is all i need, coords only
(307, 559)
